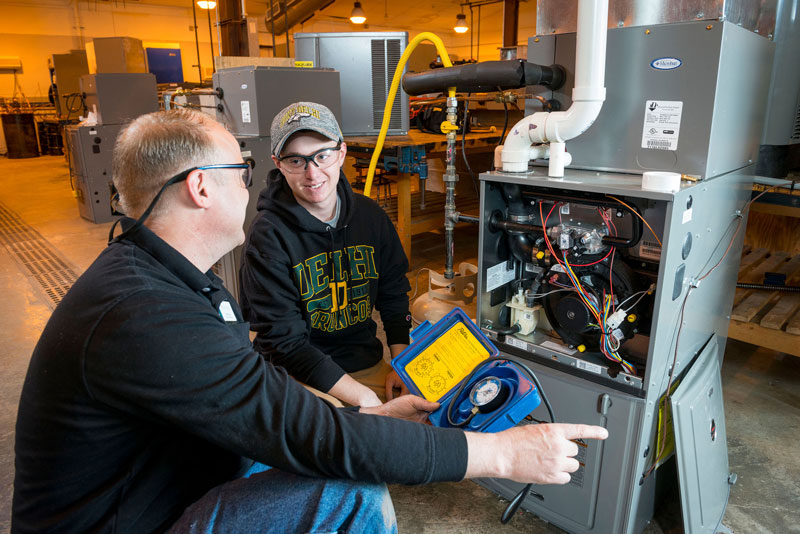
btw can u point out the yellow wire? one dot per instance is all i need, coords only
(637, 214)
(387, 110)
(581, 291)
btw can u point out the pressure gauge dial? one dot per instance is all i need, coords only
(488, 394)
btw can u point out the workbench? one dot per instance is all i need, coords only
(408, 152)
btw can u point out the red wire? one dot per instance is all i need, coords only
(610, 225)
(544, 226)
(553, 252)
(611, 279)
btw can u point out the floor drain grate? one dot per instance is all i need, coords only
(37, 256)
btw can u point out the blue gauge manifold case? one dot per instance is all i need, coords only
(443, 355)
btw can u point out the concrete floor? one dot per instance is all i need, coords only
(762, 388)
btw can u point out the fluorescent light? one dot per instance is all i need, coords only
(206, 4)
(357, 16)
(461, 23)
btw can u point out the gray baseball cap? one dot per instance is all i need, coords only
(303, 116)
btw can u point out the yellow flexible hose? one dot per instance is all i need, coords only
(387, 110)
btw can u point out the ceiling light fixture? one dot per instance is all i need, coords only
(461, 23)
(205, 4)
(357, 16)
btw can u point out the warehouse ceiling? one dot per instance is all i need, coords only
(438, 16)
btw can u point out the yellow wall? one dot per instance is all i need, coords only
(37, 29)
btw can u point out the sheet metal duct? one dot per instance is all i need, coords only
(296, 13)
(758, 16)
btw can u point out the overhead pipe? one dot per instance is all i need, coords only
(484, 77)
(272, 22)
(197, 44)
(588, 96)
(219, 35)
(286, 23)
(79, 24)
(286, 17)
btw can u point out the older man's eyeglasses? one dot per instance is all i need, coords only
(246, 176)
(323, 158)
(247, 171)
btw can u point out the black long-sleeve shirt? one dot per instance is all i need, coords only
(144, 392)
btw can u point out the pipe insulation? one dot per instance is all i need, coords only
(588, 96)
(484, 77)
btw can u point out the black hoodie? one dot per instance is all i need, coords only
(285, 291)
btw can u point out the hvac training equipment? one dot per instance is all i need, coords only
(115, 99)
(366, 62)
(616, 295)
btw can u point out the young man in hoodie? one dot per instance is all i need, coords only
(317, 259)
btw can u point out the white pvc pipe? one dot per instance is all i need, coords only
(532, 152)
(559, 158)
(587, 96)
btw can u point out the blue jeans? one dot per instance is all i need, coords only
(268, 500)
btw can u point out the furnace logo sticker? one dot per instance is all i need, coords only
(666, 63)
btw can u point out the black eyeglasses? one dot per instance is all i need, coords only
(322, 158)
(247, 175)
(247, 178)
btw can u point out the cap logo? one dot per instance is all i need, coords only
(297, 117)
(298, 113)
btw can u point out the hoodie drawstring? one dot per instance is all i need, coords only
(350, 304)
(333, 284)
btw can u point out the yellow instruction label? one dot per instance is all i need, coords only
(665, 435)
(446, 362)
(304, 64)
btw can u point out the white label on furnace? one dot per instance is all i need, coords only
(591, 367)
(687, 215)
(662, 124)
(514, 342)
(247, 153)
(498, 275)
(558, 348)
(245, 111)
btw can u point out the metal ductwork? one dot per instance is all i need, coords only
(288, 14)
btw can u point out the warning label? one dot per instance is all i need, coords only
(498, 275)
(662, 124)
(578, 476)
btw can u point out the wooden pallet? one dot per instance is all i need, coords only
(769, 319)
